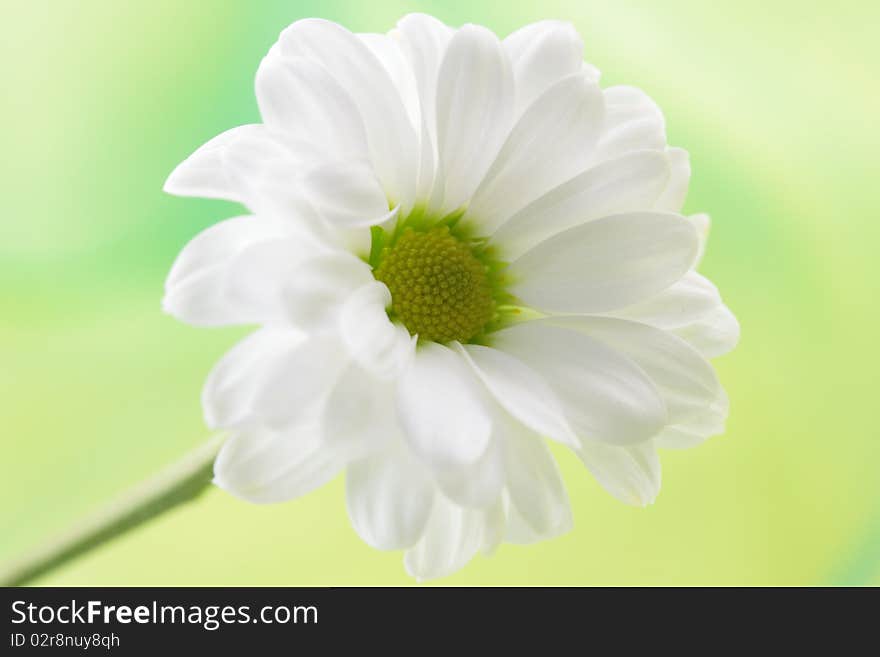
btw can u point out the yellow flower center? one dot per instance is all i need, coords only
(440, 290)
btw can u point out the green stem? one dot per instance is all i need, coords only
(178, 483)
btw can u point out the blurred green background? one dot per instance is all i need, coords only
(778, 103)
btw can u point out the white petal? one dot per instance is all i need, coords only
(494, 526)
(203, 173)
(521, 391)
(263, 466)
(451, 539)
(631, 474)
(713, 334)
(359, 414)
(697, 428)
(217, 243)
(235, 382)
(632, 122)
(606, 264)
(701, 223)
(519, 532)
(347, 195)
(474, 112)
(300, 97)
(264, 171)
(195, 290)
(684, 378)
(551, 142)
(276, 380)
(675, 193)
(390, 135)
(625, 184)
(389, 51)
(606, 397)
(681, 304)
(541, 54)
(479, 484)
(300, 381)
(424, 40)
(374, 341)
(227, 166)
(534, 483)
(443, 410)
(282, 284)
(389, 498)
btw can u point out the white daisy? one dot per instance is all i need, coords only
(457, 248)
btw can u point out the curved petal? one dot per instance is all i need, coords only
(632, 122)
(701, 222)
(389, 498)
(300, 97)
(541, 54)
(265, 172)
(675, 193)
(494, 525)
(551, 142)
(275, 377)
(535, 486)
(479, 484)
(391, 137)
(631, 474)
(359, 413)
(235, 382)
(624, 184)
(217, 243)
(264, 466)
(195, 290)
(685, 380)
(519, 532)
(606, 397)
(282, 284)
(424, 40)
(521, 391)
(713, 334)
(374, 341)
(299, 382)
(389, 52)
(606, 264)
(697, 428)
(204, 172)
(451, 539)
(443, 411)
(347, 194)
(228, 166)
(474, 111)
(681, 304)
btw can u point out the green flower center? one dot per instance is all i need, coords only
(443, 287)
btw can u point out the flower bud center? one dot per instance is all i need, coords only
(440, 290)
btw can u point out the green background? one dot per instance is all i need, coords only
(777, 103)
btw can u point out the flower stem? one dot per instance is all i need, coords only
(180, 482)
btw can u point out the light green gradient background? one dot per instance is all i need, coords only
(777, 103)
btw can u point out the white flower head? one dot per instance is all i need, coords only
(459, 247)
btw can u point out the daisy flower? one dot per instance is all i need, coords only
(457, 248)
